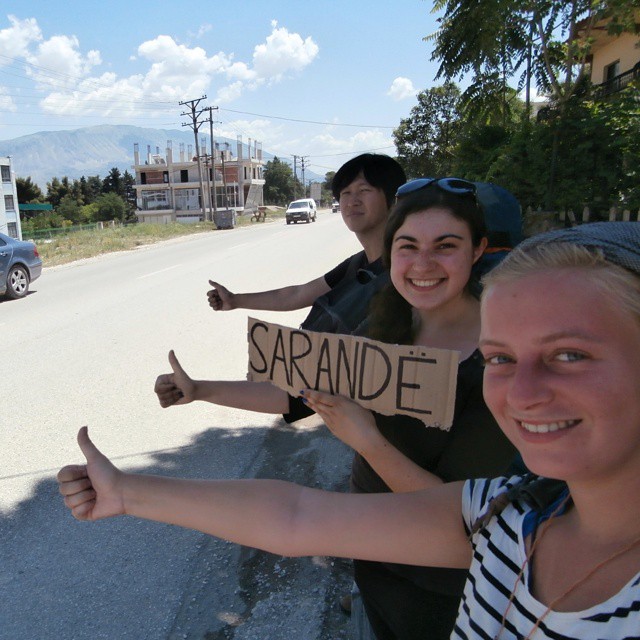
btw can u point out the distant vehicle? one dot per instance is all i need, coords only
(20, 264)
(301, 210)
(335, 207)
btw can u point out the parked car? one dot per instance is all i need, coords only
(20, 264)
(304, 209)
(335, 207)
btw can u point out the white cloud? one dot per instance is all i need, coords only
(283, 52)
(204, 28)
(6, 102)
(229, 93)
(361, 141)
(71, 84)
(96, 95)
(327, 149)
(401, 88)
(16, 39)
(178, 72)
(58, 62)
(258, 129)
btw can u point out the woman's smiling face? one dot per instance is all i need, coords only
(562, 374)
(432, 254)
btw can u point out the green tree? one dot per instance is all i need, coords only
(523, 41)
(129, 195)
(70, 209)
(110, 206)
(278, 182)
(28, 191)
(90, 188)
(114, 182)
(325, 188)
(47, 220)
(597, 158)
(89, 212)
(541, 42)
(56, 190)
(425, 141)
(478, 148)
(328, 180)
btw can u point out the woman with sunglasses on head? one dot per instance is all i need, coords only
(561, 340)
(434, 237)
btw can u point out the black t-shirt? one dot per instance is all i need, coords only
(474, 446)
(396, 596)
(357, 261)
(344, 309)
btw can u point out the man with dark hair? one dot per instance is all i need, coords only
(365, 186)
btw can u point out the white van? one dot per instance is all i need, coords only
(303, 210)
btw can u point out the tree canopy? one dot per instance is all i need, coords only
(425, 139)
(279, 182)
(541, 43)
(580, 150)
(28, 191)
(81, 201)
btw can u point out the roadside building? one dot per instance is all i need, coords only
(9, 213)
(181, 189)
(614, 58)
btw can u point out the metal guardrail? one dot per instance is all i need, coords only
(40, 234)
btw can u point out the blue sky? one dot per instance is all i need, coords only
(350, 69)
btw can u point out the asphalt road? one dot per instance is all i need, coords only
(85, 347)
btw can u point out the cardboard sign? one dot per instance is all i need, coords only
(389, 379)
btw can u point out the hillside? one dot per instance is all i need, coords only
(94, 151)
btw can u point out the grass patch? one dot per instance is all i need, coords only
(89, 243)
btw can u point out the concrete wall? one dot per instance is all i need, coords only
(622, 48)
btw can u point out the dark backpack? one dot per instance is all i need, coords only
(346, 306)
(535, 491)
(502, 215)
(503, 218)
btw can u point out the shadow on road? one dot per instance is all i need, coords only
(131, 579)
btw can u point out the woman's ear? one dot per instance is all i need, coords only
(479, 250)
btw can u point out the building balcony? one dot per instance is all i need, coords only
(616, 84)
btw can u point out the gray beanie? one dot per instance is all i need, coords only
(618, 241)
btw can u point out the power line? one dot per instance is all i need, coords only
(333, 124)
(348, 153)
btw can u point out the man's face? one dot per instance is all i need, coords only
(364, 207)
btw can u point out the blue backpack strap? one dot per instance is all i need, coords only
(535, 491)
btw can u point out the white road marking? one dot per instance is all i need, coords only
(155, 273)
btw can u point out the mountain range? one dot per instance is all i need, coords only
(91, 151)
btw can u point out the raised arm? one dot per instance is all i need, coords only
(178, 388)
(287, 519)
(285, 299)
(356, 427)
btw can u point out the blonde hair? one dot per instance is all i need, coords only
(614, 281)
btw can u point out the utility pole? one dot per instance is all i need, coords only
(224, 174)
(205, 156)
(195, 125)
(295, 176)
(214, 198)
(304, 184)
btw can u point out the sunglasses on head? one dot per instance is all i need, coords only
(458, 186)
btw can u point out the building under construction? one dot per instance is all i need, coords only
(181, 187)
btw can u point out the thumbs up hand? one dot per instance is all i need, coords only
(220, 298)
(91, 491)
(174, 388)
